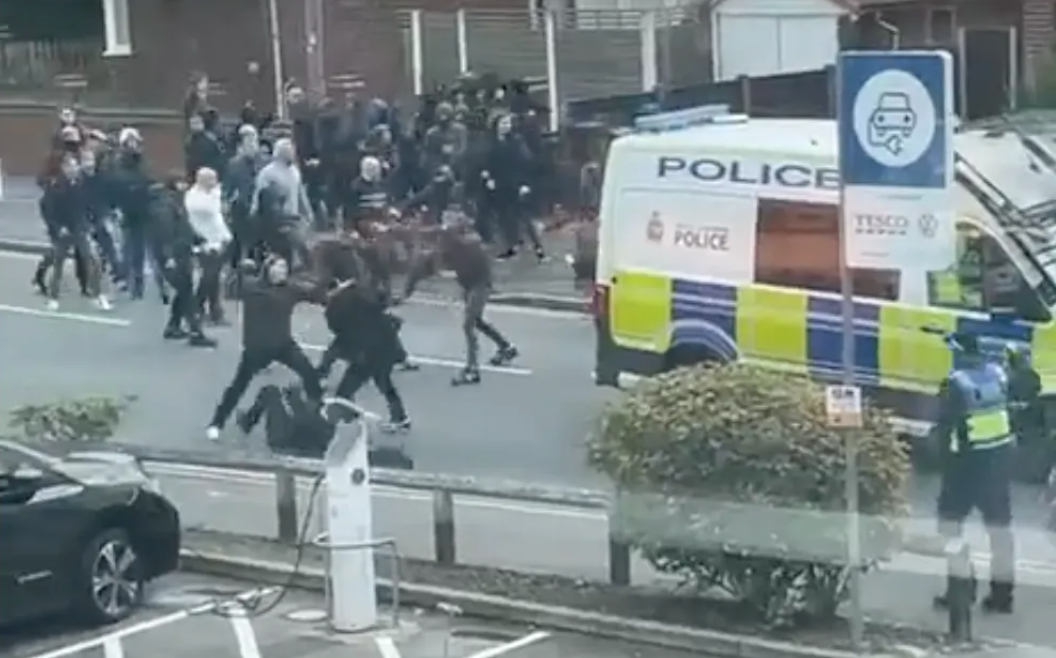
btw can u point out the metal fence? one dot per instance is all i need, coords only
(805, 95)
(580, 54)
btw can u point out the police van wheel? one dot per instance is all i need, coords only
(684, 356)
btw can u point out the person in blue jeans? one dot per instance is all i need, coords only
(131, 189)
(98, 205)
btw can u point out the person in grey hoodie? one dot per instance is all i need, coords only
(282, 179)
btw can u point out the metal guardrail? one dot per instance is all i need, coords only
(443, 488)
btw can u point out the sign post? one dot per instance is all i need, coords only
(895, 123)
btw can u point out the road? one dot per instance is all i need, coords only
(290, 630)
(524, 422)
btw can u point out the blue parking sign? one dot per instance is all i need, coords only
(896, 119)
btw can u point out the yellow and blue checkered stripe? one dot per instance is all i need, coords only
(802, 332)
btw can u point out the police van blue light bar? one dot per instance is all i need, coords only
(688, 118)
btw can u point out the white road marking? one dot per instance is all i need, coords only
(244, 634)
(387, 647)
(531, 638)
(18, 255)
(497, 306)
(105, 640)
(113, 648)
(77, 647)
(63, 315)
(439, 362)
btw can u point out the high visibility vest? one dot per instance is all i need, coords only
(947, 288)
(985, 390)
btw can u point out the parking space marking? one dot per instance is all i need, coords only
(387, 647)
(531, 638)
(115, 636)
(246, 636)
(111, 642)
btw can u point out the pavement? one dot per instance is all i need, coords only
(292, 630)
(546, 539)
(519, 281)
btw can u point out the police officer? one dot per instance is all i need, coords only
(1034, 450)
(978, 453)
(1024, 394)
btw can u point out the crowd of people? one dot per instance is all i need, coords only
(453, 188)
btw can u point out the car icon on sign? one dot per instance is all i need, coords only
(892, 122)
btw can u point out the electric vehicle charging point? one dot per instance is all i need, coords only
(349, 538)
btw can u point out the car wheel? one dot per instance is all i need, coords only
(110, 584)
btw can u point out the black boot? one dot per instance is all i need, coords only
(999, 600)
(38, 280)
(199, 339)
(174, 332)
(505, 356)
(466, 376)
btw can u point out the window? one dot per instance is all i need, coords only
(941, 26)
(798, 246)
(118, 28)
(984, 279)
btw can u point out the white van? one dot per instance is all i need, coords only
(720, 241)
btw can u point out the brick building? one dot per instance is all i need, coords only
(152, 46)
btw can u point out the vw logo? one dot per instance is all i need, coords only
(929, 225)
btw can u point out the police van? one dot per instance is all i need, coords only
(719, 240)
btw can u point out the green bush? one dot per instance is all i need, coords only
(729, 477)
(84, 419)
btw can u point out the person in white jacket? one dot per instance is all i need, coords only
(205, 212)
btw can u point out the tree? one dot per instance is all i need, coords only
(729, 476)
(83, 419)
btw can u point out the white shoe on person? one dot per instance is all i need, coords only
(103, 304)
(212, 433)
(53, 305)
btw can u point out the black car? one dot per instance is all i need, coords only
(80, 533)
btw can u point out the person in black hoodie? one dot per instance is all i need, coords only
(172, 242)
(292, 422)
(239, 183)
(131, 193)
(368, 197)
(268, 302)
(67, 147)
(505, 175)
(461, 249)
(65, 207)
(97, 192)
(435, 198)
(202, 148)
(365, 337)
